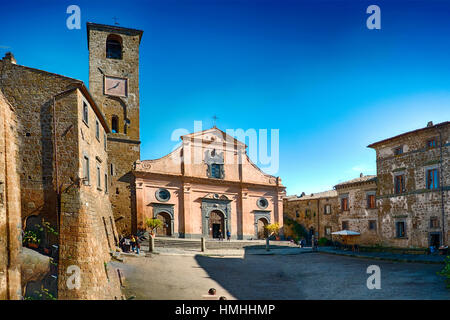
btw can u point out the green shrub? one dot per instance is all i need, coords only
(446, 272)
(298, 230)
(323, 242)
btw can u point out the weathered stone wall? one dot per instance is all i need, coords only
(309, 211)
(87, 227)
(36, 96)
(10, 219)
(123, 146)
(359, 214)
(417, 205)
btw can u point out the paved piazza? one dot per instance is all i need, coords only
(302, 276)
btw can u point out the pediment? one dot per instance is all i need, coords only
(212, 136)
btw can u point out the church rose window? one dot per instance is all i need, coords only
(162, 195)
(262, 203)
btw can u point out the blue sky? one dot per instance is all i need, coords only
(308, 68)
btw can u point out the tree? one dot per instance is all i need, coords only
(153, 224)
(272, 228)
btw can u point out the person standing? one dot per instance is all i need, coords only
(228, 235)
(133, 243)
(138, 245)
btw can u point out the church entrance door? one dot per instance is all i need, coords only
(262, 231)
(216, 224)
(164, 230)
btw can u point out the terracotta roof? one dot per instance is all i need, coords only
(317, 195)
(362, 179)
(409, 132)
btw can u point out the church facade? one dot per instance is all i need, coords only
(207, 187)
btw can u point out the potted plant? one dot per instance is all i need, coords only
(31, 239)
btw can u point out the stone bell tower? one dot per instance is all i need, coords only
(114, 84)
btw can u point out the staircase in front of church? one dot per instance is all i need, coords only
(213, 244)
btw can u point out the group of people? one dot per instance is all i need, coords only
(220, 235)
(130, 243)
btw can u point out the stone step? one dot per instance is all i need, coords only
(215, 244)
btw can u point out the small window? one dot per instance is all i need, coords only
(399, 183)
(400, 229)
(344, 204)
(97, 130)
(372, 225)
(432, 143)
(398, 150)
(434, 222)
(99, 179)
(115, 124)
(327, 231)
(114, 47)
(216, 170)
(106, 183)
(105, 140)
(327, 209)
(432, 179)
(85, 113)
(112, 169)
(297, 214)
(86, 171)
(308, 213)
(344, 225)
(371, 201)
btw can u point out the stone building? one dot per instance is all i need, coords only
(63, 174)
(10, 217)
(358, 209)
(114, 84)
(316, 212)
(208, 184)
(414, 186)
(405, 205)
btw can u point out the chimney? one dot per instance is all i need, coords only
(10, 57)
(429, 124)
(361, 175)
(303, 194)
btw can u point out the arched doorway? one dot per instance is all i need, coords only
(262, 231)
(165, 229)
(216, 224)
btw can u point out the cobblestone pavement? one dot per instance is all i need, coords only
(300, 276)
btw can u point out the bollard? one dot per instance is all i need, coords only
(203, 244)
(313, 247)
(267, 244)
(152, 244)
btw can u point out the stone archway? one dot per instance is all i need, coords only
(165, 229)
(216, 224)
(262, 232)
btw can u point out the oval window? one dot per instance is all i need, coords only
(162, 195)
